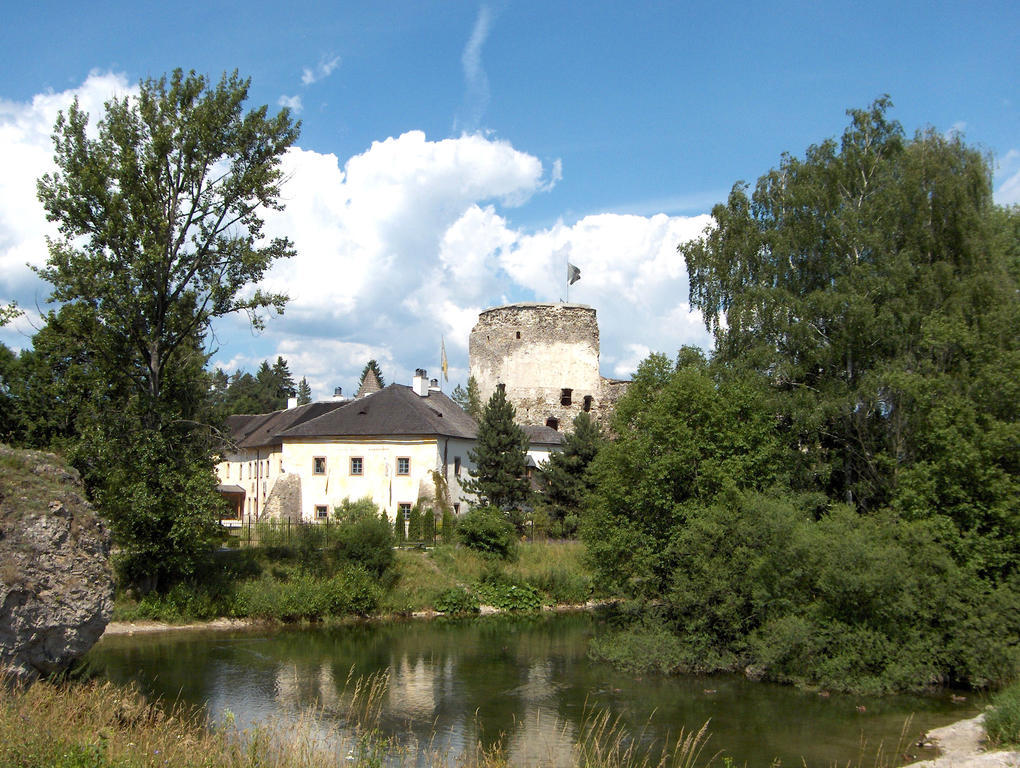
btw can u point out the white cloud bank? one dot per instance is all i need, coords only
(402, 244)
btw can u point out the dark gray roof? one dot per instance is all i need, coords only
(393, 410)
(264, 429)
(541, 435)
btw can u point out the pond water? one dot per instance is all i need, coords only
(526, 682)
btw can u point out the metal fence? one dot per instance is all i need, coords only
(288, 534)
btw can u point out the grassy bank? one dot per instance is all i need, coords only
(296, 585)
(101, 725)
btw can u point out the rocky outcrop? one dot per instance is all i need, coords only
(56, 586)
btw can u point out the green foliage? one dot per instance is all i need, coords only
(304, 392)
(352, 511)
(399, 527)
(372, 366)
(414, 529)
(366, 542)
(499, 475)
(469, 399)
(455, 600)
(565, 479)
(873, 285)
(1002, 721)
(833, 498)
(871, 603)
(351, 590)
(153, 246)
(508, 596)
(684, 435)
(487, 530)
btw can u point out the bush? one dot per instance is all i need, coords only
(497, 590)
(1002, 722)
(487, 530)
(367, 542)
(352, 590)
(455, 600)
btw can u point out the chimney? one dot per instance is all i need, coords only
(338, 394)
(291, 403)
(433, 385)
(420, 383)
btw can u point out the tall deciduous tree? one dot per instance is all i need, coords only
(159, 214)
(499, 476)
(873, 284)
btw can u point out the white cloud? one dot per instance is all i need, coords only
(476, 81)
(399, 246)
(292, 103)
(321, 71)
(26, 153)
(409, 241)
(1008, 191)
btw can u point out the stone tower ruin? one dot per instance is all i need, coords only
(546, 355)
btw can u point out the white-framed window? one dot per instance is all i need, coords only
(321, 512)
(319, 465)
(357, 465)
(404, 509)
(403, 465)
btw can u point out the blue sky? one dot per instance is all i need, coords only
(454, 155)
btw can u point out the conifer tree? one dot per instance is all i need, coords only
(414, 524)
(469, 399)
(373, 366)
(564, 477)
(499, 475)
(304, 392)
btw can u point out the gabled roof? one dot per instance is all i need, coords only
(248, 431)
(393, 410)
(542, 435)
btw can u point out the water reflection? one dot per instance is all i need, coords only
(522, 684)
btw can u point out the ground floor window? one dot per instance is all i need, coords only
(405, 511)
(321, 511)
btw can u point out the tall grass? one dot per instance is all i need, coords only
(1002, 722)
(102, 725)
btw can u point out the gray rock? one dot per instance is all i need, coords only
(56, 585)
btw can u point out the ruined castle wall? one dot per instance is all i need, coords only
(537, 351)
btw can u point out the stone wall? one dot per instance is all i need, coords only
(284, 500)
(547, 357)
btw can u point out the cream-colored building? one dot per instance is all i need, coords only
(391, 446)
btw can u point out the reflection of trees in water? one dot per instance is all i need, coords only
(524, 683)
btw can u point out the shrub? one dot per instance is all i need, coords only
(455, 600)
(367, 542)
(509, 597)
(414, 532)
(352, 590)
(486, 529)
(1002, 722)
(348, 511)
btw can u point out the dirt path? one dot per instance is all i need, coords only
(115, 628)
(962, 746)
